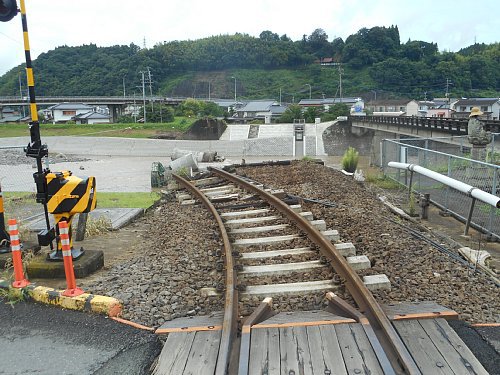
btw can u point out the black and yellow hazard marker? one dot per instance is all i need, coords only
(69, 195)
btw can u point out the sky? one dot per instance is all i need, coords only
(452, 24)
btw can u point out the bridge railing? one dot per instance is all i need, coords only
(441, 124)
(485, 176)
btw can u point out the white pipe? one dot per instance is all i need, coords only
(471, 191)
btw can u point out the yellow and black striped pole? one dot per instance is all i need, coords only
(35, 148)
(29, 68)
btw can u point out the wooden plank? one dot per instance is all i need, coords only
(302, 317)
(418, 310)
(421, 347)
(174, 354)
(212, 320)
(451, 346)
(326, 356)
(359, 357)
(294, 352)
(264, 352)
(203, 355)
(303, 351)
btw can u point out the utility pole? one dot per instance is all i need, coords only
(447, 94)
(21, 96)
(234, 88)
(135, 110)
(124, 87)
(341, 71)
(280, 95)
(208, 90)
(150, 81)
(143, 93)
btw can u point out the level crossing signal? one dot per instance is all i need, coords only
(8, 9)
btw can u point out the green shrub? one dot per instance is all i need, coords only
(350, 160)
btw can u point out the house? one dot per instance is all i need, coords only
(259, 110)
(8, 114)
(489, 106)
(78, 112)
(434, 108)
(64, 112)
(92, 118)
(326, 61)
(394, 107)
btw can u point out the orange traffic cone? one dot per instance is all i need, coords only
(15, 246)
(72, 290)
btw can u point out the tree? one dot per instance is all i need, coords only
(293, 112)
(334, 111)
(158, 113)
(311, 113)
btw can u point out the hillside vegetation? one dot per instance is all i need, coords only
(374, 64)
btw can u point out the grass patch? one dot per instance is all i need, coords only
(126, 200)
(134, 130)
(12, 296)
(382, 181)
(98, 226)
(104, 199)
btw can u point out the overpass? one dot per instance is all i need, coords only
(423, 127)
(116, 104)
(90, 100)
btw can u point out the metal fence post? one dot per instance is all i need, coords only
(383, 149)
(448, 188)
(494, 192)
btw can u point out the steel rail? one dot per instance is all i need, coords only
(393, 345)
(229, 325)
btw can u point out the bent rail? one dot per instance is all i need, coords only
(390, 340)
(230, 322)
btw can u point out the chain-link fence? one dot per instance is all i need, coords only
(485, 176)
(18, 186)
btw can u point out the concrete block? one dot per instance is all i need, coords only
(88, 263)
(307, 215)
(183, 197)
(377, 282)
(360, 262)
(331, 234)
(319, 224)
(346, 249)
(296, 208)
(188, 202)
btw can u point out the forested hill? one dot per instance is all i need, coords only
(374, 62)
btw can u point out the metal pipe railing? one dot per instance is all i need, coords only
(470, 190)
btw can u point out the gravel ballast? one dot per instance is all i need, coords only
(166, 277)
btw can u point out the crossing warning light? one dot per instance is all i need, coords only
(8, 10)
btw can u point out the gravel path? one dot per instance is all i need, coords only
(18, 157)
(164, 280)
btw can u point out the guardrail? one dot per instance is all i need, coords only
(441, 124)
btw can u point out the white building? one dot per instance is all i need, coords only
(489, 106)
(80, 113)
(65, 112)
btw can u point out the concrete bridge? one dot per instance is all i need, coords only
(424, 127)
(116, 104)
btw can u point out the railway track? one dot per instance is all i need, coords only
(269, 243)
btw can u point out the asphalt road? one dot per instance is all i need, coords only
(47, 340)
